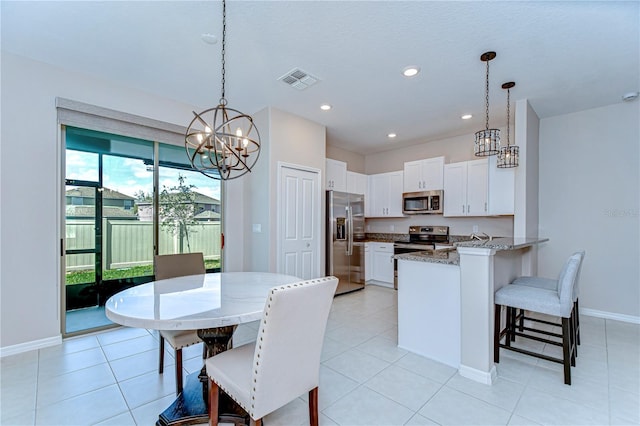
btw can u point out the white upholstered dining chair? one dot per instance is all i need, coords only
(172, 266)
(284, 362)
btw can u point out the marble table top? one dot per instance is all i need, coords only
(195, 301)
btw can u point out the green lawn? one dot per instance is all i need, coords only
(81, 277)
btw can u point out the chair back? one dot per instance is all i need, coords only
(286, 361)
(566, 282)
(178, 265)
(576, 286)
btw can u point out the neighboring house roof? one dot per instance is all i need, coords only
(207, 215)
(89, 192)
(198, 199)
(89, 211)
(204, 199)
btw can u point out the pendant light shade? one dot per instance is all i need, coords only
(508, 156)
(488, 140)
(222, 143)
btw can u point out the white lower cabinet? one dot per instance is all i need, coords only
(368, 264)
(382, 260)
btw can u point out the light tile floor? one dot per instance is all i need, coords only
(110, 378)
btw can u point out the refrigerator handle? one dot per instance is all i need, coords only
(350, 231)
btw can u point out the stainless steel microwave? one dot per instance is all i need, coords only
(423, 202)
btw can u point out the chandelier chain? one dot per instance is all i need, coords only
(508, 115)
(487, 97)
(223, 100)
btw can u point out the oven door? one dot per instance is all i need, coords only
(402, 248)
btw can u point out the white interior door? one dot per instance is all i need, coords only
(300, 214)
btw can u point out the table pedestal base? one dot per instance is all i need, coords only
(190, 407)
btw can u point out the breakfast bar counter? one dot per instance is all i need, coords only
(445, 300)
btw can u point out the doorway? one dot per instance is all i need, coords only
(300, 223)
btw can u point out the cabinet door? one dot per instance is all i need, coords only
(501, 189)
(477, 203)
(368, 264)
(378, 194)
(394, 202)
(336, 172)
(413, 176)
(455, 189)
(383, 262)
(356, 183)
(432, 173)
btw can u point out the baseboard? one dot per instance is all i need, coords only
(609, 315)
(487, 378)
(30, 346)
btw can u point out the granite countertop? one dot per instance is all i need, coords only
(502, 243)
(446, 257)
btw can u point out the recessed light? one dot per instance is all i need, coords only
(466, 116)
(209, 38)
(631, 96)
(411, 71)
(391, 135)
(325, 107)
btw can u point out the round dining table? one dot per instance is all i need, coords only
(213, 304)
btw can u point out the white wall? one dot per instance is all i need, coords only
(589, 199)
(286, 138)
(32, 183)
(355, 162)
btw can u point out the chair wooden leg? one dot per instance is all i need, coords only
(161, 357)
(213, 403)
(178, 371)
(514, 322)
(496, 334)
(313, 406)
(566, 355)
(255, 422)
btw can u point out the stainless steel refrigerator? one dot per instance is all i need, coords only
(345, 240)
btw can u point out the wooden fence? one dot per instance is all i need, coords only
(127, 243)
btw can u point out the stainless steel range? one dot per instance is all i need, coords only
(421, 238)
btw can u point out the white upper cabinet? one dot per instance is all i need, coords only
(336, 172)
(424, 175)
(385, 194)
(465, 188)
(478, 188)
(356, 183)
(502, 189)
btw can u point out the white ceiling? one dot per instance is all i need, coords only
(564, 56)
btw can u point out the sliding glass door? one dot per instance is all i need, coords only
(112, 229)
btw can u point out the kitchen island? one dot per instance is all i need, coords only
(445, 300)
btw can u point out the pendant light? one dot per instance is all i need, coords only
(222, 142)
(508, 155)
(487, 140)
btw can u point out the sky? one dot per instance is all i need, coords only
(129, 175)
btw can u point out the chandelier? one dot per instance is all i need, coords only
(222, 142)
(487, 140)
(508, 155)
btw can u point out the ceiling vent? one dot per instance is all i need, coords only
(299, 79)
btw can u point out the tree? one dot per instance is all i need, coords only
(177, 210)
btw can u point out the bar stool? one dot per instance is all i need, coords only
(552, 284)
(557, 302)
